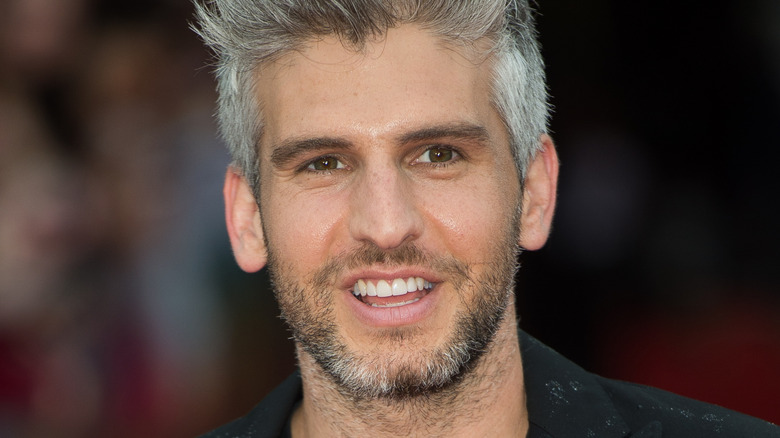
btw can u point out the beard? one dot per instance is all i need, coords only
(392, 369)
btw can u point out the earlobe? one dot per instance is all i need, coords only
(243, 223)
(541, 185)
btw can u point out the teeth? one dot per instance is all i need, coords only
(360, 287)
(399, 287)
(396, 287)
(403, 303)
(383, 289)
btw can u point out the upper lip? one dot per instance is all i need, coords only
(389, 275)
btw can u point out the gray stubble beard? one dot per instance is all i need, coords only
(398, 377)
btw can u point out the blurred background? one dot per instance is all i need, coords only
(123, 314)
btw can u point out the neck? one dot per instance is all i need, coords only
(489, 401)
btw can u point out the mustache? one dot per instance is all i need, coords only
(407, 255)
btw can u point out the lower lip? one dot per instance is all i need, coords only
(393, 316)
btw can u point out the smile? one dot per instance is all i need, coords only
(365, 290)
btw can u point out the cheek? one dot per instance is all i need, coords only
(472, 220)
(302, 229)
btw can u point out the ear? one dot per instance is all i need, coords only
(541, 184)
(243, 223)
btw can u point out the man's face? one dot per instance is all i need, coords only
(387, 172)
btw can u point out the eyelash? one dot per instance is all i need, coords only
(456, 157)
(305, 167)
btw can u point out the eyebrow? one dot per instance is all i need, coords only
(462, 131)
(287, 151)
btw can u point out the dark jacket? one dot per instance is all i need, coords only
(563, 401)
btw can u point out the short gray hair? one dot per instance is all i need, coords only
(246, 33)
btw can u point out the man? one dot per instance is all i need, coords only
(391, 161)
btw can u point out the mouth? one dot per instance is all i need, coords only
(391, 293)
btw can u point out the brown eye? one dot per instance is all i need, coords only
(326, 163)
(437, 155)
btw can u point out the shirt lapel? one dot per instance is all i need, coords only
(564, 400)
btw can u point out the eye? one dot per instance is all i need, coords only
(325, 163)
(437, 154)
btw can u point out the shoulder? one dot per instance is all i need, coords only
(640, 405)
(565, 400)
(269, 418)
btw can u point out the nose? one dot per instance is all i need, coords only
(384, 210)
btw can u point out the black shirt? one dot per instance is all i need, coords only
(563, 400)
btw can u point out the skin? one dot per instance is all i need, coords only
(372, 107)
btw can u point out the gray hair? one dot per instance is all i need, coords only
(245, 33)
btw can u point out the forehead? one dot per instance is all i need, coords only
(405, 81)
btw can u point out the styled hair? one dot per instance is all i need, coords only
(246, 33)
